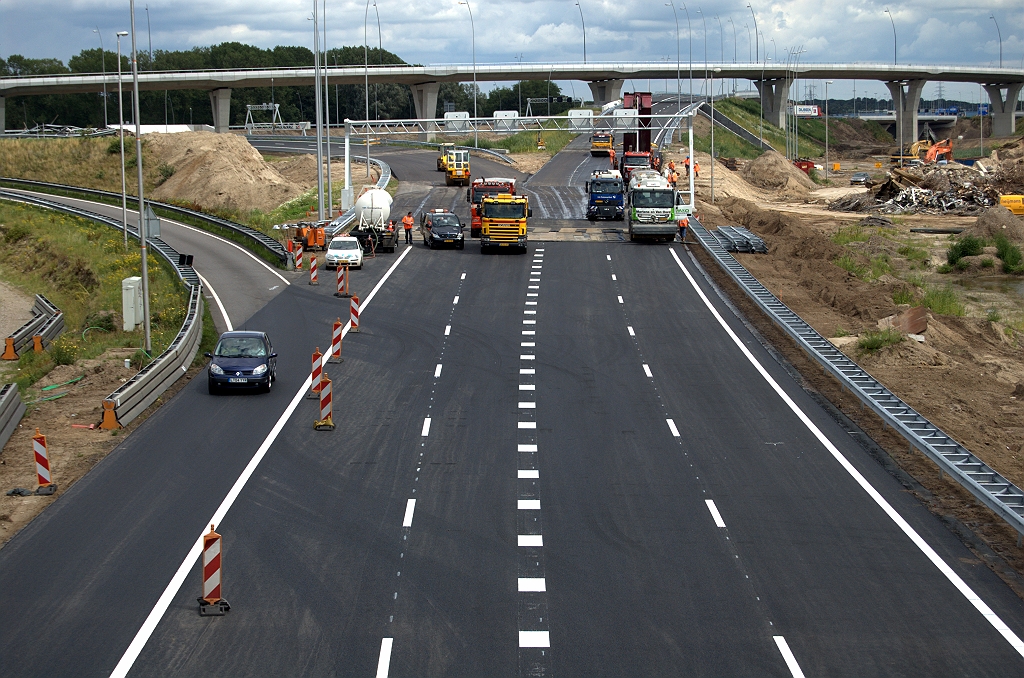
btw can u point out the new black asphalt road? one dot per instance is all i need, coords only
(596, 480)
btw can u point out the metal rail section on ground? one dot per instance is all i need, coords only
(977, 477)
(11, 411)
(47, 323)
(139, 392)
(253, 236)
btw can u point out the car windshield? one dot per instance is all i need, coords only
(344, 245)
(636, 161)
(603, 138)
(606, 187)
(504, 210)
(241, 347)
(651, 198)
(444, 220)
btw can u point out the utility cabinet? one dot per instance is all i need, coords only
(131, 302)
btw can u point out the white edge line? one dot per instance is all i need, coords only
(213, 293)
(236, 246)
(384, 662)
(991, 617)
(787, 655)
(714, 513)
(162, 603)
(410, 508)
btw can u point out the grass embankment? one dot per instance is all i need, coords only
(747, 112)
(89, 162)
(78, 265)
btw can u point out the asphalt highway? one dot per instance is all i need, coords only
(573, 462)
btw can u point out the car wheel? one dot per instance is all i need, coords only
(213, 388)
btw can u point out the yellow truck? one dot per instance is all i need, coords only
(503, 221)
(456, 168)
(600, 144)
(1014, 203)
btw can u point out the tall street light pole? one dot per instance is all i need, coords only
(1000, 34)
(679, 82)
(366, 74)
(721, 44)
(734, 52)
(827, 83)
(893, 35)
(757, 46)
(584, 33)
(472, 28)
(380, 61)
(142, 200)
(705, 21)
(318, 116)
(689, 47)
(120, 131)
(103, 65)
(327, 121)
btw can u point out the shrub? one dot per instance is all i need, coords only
(967, 246)
(874, 340)
(15, 232)
(849, 263)
(64, 350)
(166, 172)
(987, 263)
(962, 265)
(944, 268)
(992, 315)
(1010, 254)
(880, 265)
(943, 301)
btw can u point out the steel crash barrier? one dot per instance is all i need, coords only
(139, 392)
(46, 325)
(11, 411)
(977, 477)
(261, 240)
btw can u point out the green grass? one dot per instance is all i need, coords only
(915, 255)
(746, 112)
(903, 295)
(1010, 254)
(881, 265)
(848, 262)
(967, 246)
(943, 301)
(727, 145)
(78, 265)
(874, 340)
(848, 234)
(993, 316)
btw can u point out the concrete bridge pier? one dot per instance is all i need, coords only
(424, 98)
(220, 100)
(3, 115)
(1003, 120)
(606, 91)
(906, 97)
(774, 95)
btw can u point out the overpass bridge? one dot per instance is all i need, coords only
(905, 82)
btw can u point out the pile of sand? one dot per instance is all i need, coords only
(301, 171)
(218, 170)
(995, 221)
(773, 172)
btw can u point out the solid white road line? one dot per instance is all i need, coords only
(534, 639)
(787, 654)
(223, 312)
(531, 540)
(124, 665)
(529, 504)
(528, 473)
(672, 427)
(647, 371)
(526, 447)
(384, 663)
(410, 507)
(981, 606)
(630, 329)
(527, 424)
(237, 247)
(532, 584)
(447, 330)
(426, 427)
(437, 371)
(714, 513)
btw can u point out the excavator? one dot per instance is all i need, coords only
(940, 150)
(911, 154)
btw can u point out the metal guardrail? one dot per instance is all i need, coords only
(977, 477)
(11, 411)
(139, 392)
(47, 323)
(343, 220)
(485, 151)
(275, 248)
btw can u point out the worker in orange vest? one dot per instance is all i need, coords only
(683, 224)
(407, 222)
(696, 168)
(673, 177)
(611, 157)
(672, 165)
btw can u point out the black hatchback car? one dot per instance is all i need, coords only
(442, 229)
(242, 360)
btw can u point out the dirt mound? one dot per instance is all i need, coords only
(772, 171)
(218, 170)
(995, 221)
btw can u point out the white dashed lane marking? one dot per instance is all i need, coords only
(620, 298)
(532, 584)
(447, 330)
(426, 427)
(410, 507)
(527, 406)
(526, 447)
(647, 371)
(527, 387)
(630, 329)
(528, 473)
(384, 663)
(456, 299)
(437, 371)
(527, 424)
(529, 504)
(534, 639)
(714, 512)
(531, 540)
(787, 654)
(672, 427)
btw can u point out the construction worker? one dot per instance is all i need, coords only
(683, 224)
(611, 156)
(673, 177)
(407, 223)
(696, 168)
(672, 165)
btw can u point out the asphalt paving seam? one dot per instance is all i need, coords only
(973, 598)
(167, 596)
(534, 621)
(713, 510)
(387, 643)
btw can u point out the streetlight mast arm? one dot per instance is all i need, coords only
(757, 45)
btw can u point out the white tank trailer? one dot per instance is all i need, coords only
(373, 208)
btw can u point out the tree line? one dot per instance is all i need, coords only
(193, 106)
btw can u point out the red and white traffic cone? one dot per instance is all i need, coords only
(336, 343)
(212, 604)
(315, 374)
(314, 276)
(355, 313)
(342, 281)
(325, 422)
(46, 484)
(298, 258)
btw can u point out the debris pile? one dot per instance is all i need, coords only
(931, 189)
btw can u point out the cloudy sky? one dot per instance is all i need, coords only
(438, 31)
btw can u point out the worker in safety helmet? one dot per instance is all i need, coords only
(696, 168)
(683, 224)
(407, 224)
(672, 165)
(611, 157)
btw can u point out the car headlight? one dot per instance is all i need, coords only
(215, 369)
(262, 369)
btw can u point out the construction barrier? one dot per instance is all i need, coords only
(336, 343)
(11, 411)
(46, 325)
(343, 281)
(325, 423)
(355, 313)
(212, 603)
(298, 258)
(46, 484)
(314, 276)
(315, 374)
